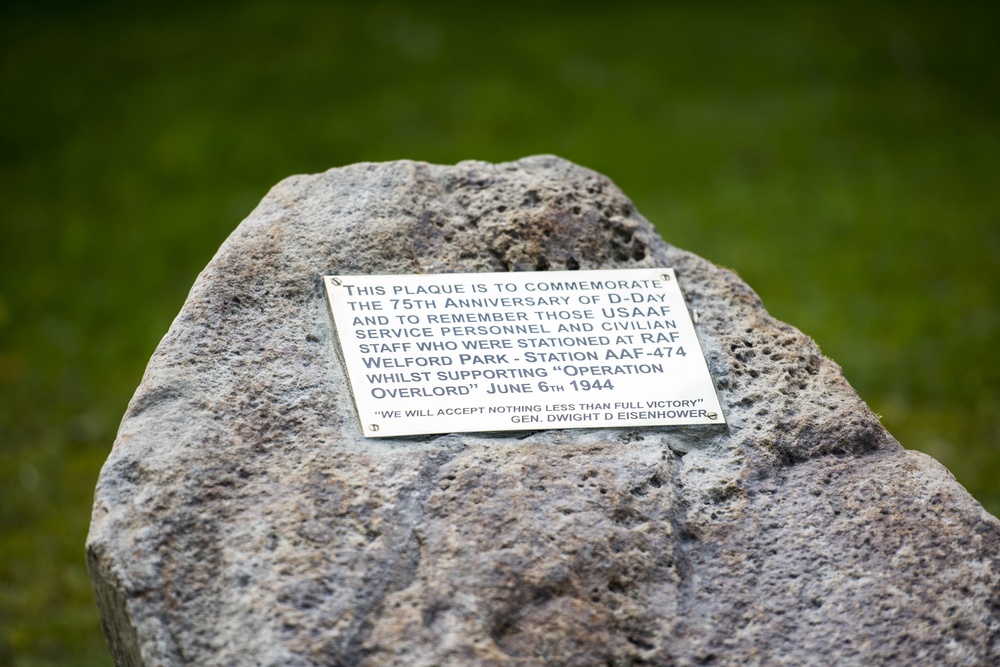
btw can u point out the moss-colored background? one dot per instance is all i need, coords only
(843, 158)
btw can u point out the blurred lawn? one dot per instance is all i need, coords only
(843, 158)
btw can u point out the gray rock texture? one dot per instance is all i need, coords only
(242, 518)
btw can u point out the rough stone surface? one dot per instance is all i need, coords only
(242, 518)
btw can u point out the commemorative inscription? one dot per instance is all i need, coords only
(458, 352)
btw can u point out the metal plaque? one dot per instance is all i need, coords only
(464, 352)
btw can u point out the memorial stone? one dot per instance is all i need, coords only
(244, 518)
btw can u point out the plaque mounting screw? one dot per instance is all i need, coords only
(666, 277)
(337, 281)
(712, 415)
(373, 427)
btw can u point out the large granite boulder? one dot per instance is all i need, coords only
(242, 518)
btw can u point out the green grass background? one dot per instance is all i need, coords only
(843, 158)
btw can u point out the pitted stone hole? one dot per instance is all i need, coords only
(642, 644)
(430, 614)
(655, 482)
(623, 236)
(572, 264)
(504, 628)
